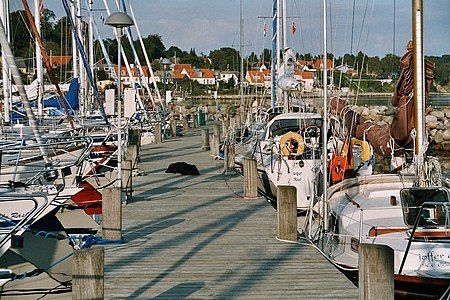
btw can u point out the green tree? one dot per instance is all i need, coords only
(224, 58)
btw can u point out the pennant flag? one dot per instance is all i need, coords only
(294, 27)
(265, 29)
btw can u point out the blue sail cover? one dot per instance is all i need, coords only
(71, 99)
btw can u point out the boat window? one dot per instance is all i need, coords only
(429, 204)
(282, 126)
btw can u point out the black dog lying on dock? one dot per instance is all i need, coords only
(182, 168)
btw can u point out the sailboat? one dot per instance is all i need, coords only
(408, 209)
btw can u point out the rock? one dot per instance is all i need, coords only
(365, 112)
(433, 124)
(390, 111)
(445, 145)
(438, 137)
(438, 114)
(446, 134)
(430, 118)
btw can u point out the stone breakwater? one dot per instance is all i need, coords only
(437, 124)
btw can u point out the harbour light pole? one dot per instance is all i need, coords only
(119, 20)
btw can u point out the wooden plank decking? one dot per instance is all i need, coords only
(195, 237)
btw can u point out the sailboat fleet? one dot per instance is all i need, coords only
(49, 179)
(329, 158)
(57, 155)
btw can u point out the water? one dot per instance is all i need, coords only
(434, 101)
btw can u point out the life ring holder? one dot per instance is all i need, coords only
(291, 136)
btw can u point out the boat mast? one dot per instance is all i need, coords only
(74, 47)
(4, 17)
(241, 52)
(10, 62)
(274, 52)
(39, 69)
(419, 87)
(325, 122)
(91, 54)
(79, 23)
(284, 46)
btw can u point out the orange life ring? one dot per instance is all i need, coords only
(291, 136)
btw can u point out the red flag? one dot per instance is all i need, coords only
(294, 28)
(41, 7)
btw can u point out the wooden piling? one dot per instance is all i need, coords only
(88, 273)
(205, 139)
(112, 213)
(225, 125)
(195, 119)
(287, 212)
(173, 128)
(185, 124)
(127, 177)
(376, 272)
(157, 133)
(228, 159)
(250, 178)
(216, 128)
(214, 144)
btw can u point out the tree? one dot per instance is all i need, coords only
(224, 58)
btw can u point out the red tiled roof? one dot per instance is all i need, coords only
(60, 60)
(133, 70)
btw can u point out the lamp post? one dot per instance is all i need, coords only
(217, 76)
(166, 63)
(119, 20)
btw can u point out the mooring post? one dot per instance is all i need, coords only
(214, 144)
(195, 119)
(225, 126)
(205, 139)
(185, 124)
(287, 212)
(127, 178)
(157, 133)
(376, 272)
(216, 128)
(88, 273)
(173, 128)
(228, 159)
(250, 178)
(112, 213)
(134, 142)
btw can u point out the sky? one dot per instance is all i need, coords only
(207, 25)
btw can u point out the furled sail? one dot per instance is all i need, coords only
(396, 137)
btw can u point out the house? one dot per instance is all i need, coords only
(225, 76)
(318, 64)
(135, 73)
(60, 60)
(202, 76)
(306, 78)
(258, 78)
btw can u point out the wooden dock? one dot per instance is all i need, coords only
(196, 237)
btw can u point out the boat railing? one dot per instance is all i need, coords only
(24, 161)
(427, 211)
(13, 218)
